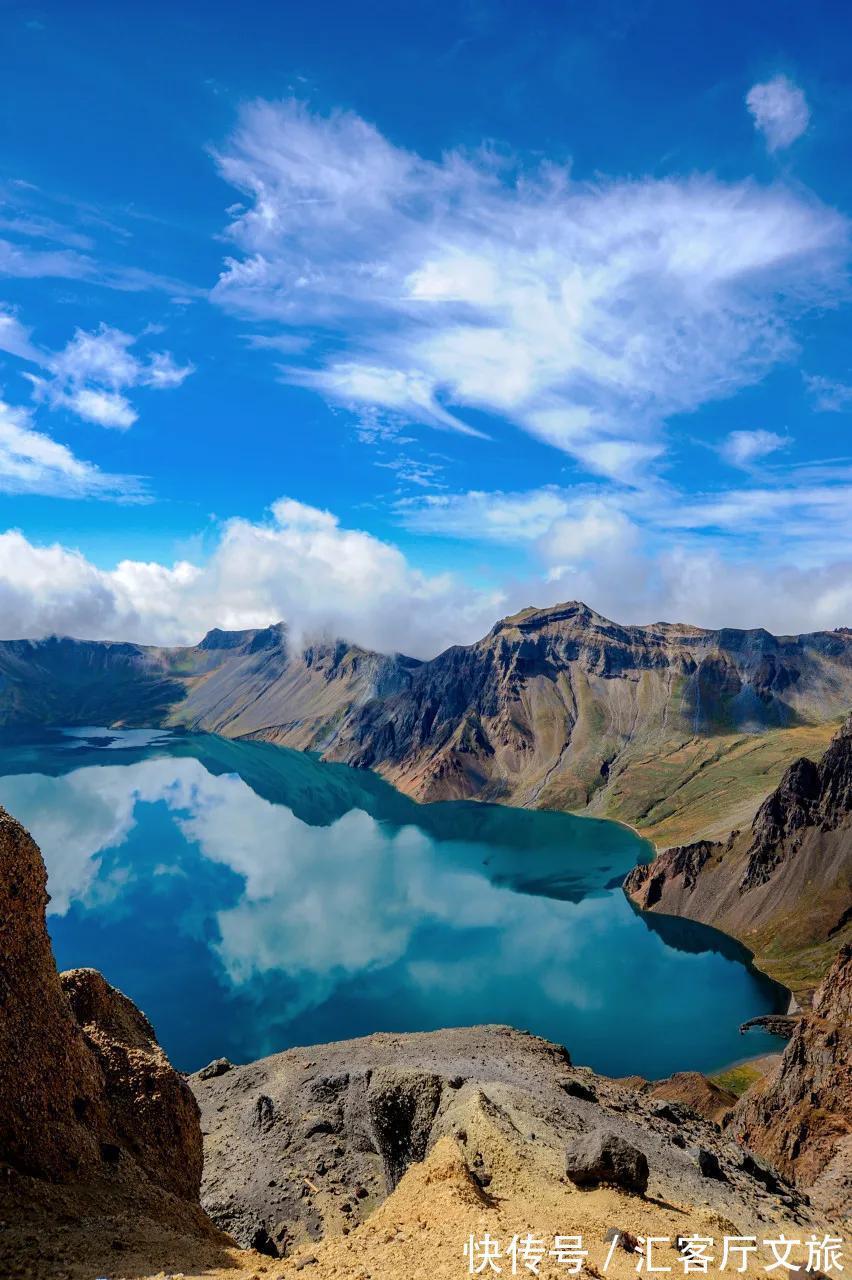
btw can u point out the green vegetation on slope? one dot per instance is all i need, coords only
(705, 787)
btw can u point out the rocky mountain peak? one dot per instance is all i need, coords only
(809, 795)
(572, 612)
(252, 639)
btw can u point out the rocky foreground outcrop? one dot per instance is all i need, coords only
(800, 1116)
(83, 1083)
(370, 1158)
(100, 1144)
(784, 886)
(305, 1146)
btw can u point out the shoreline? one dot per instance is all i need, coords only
(648, 846)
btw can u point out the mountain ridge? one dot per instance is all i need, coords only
(554, 708)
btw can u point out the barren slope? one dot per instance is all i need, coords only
(676, 730)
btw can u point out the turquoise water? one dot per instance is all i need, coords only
(249, 898)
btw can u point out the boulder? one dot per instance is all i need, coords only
(576, 1089)
(402, 1106)
(602, 1156)
(708, 1164)
(218, 1067)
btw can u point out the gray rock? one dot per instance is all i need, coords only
(674, 1112)
(217, 1067)
(576, 1089)
(762, 1172)
(402, 1106)
(708, 1164)
(602, 1156)
(263, 1116)
(626, 1239)
(262, 1242)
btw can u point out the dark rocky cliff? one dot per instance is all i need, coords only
(100, 1141)
(800, 1117)
(784, 887)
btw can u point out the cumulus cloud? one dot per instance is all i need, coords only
(90, 375)
(779, 110)
(634, 556)
(744, 448)
(586, 313)
(31, 462)
(777, 555)
(300, 566)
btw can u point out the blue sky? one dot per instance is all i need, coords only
(389, 319)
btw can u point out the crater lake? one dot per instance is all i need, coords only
(248, 898)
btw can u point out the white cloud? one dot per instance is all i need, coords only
(15, 337)
(405, 392)
(509, 518)
(106, 408)
(778, 557)
(301, 567)
(780, 111)
(829, 395)
(621, 460)
(90, 374)
(586, 313)
(744, 448)
(31, 462)
(592, 529)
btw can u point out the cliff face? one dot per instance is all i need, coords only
(800, 1117)
(53, 1109)
(783, 887)
(85, 1089)
(556, 708)
(100, 1141)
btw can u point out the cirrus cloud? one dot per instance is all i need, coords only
(585, 313)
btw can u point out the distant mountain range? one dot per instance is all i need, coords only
(678, 730)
